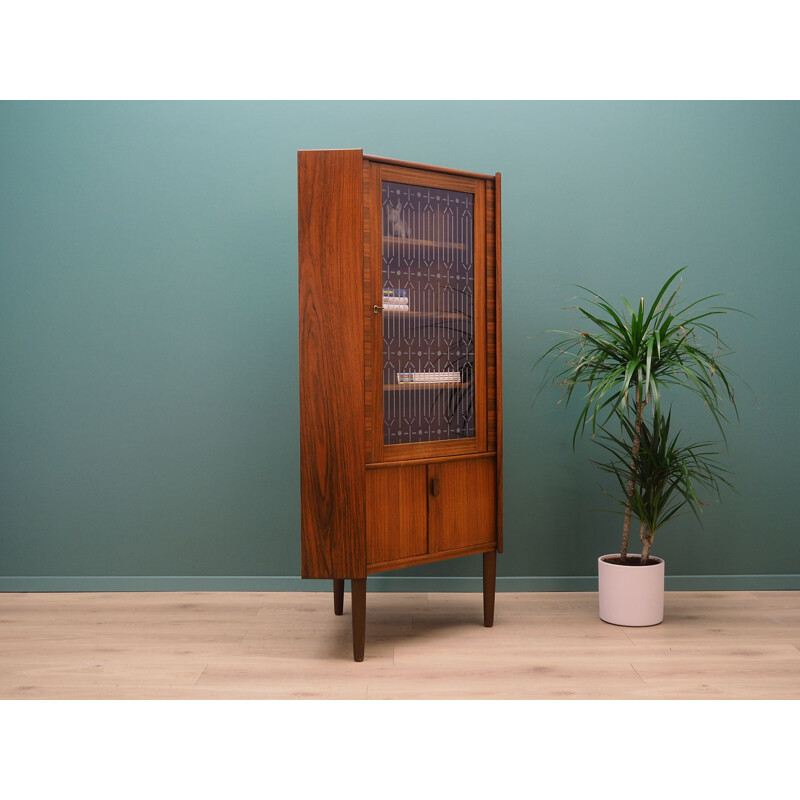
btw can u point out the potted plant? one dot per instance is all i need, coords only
(667, 476)
(622, 361)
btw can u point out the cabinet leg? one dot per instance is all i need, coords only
(489, 581)
(338, 596)
(358, 600)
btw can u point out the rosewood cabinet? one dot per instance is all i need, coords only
(400, 370)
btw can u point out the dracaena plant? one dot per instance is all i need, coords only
(621, 360)
(668, 475)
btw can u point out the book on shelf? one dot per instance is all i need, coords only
(429, 377)
(395, 300)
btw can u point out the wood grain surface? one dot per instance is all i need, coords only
(397, 513)
(290, 645)
(330, 277)
(463, 512)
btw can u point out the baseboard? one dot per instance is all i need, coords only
(377, 583)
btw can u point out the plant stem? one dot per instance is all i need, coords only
(626, 525)
(647, 542)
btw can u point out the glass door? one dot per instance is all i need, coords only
(431, 315)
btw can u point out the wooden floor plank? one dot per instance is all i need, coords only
(290, 645)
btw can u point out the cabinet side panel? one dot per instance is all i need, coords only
(499, 354)
(332, 480)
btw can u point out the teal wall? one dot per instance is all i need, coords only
(148, 327)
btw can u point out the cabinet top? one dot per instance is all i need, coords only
(410, 164)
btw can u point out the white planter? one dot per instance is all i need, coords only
(631, 596)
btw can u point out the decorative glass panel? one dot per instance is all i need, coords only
(428, 313)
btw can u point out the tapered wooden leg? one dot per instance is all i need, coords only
(338, 596)
(358, 600)
(489, 581)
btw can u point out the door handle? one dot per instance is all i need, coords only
(434, 486)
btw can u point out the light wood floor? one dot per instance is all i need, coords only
(289, 645)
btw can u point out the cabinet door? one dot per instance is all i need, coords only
(462, 504)
(397, 510)
(429, 338)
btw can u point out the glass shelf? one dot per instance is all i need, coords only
(412, 387)
(428, 243)
(426, 315)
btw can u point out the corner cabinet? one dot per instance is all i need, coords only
(400, 371)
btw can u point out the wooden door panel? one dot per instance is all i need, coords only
(397, 511)
(462, 504)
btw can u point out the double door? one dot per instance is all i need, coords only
(422, 511)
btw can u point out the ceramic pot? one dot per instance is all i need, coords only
(631, 596)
